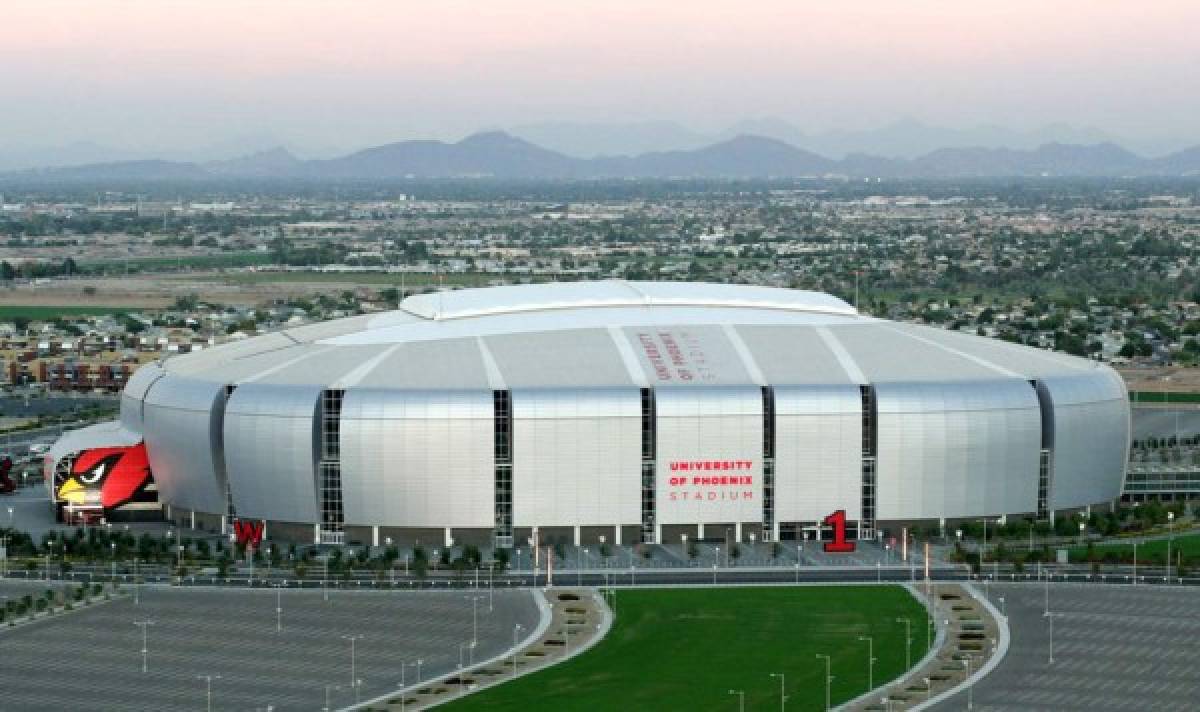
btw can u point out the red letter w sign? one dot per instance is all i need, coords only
(247, 533)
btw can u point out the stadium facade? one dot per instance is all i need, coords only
(613, 411)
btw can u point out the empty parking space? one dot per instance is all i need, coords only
(92, 659)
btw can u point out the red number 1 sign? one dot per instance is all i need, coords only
(839, 545)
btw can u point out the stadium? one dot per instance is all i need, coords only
(605, 411)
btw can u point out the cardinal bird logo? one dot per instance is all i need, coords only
(117, 473)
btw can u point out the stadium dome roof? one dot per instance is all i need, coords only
(617, 334)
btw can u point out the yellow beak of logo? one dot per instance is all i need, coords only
(72, 492)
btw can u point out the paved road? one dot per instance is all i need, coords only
(1115, 648)
(91, 659)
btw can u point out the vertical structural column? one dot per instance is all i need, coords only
(1046, 453)
(866, 525)
(219, 459)
(333, 530)
(770, 528)
(649, 449)
(502, 426)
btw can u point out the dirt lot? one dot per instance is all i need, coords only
(1175, 379)
(158, 291)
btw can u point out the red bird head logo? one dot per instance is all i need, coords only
(116, 474)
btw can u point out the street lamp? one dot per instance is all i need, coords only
(327, 706)
(907, 641)
(353, 675)
(828, 679)
(1050, 617)
(474, 617)
(1170, 540)
(516, 630)
(782, 690)
(741, 699)
(278, 607)
(145, 650)
(208, 688)
(870, 660)
(970, 686)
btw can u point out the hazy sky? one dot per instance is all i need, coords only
(355, 72)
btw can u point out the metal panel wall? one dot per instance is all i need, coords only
(818, 452)
(417, 458)
(135, 392)
(576, 456)
(957, 449)
(1091, 437)
(706, 437)
(181, 442)
(271, 451)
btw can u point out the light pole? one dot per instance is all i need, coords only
(741, 694)
(327, 707)
(1046, 611)
(970, 686)
(278, 607)
(1134, 563)
(828, 679)
(1170, 540)
(208, 679)
(1050, 617)
(145, 650)
(516, 630)
(782, 691)
(474, 617)
(870, 660)
(353, 676)
(907, 641)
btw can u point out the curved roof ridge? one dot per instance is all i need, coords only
(514, 299)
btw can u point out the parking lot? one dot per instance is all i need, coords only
(91, 659)
(1115, 648)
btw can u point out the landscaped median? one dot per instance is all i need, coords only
(689, 649)
(1185, 552)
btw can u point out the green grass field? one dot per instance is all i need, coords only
(684, 649)
(1156, 397)
(44, 312)
(1147, 552)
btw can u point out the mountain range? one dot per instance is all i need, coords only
(497, 154)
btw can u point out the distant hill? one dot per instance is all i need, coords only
(496, 154)
(272, 163)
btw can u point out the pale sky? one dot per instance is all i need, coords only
(359, 72)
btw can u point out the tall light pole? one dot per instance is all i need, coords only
(208, 679)
(782, 691)
(353, 674)
(516, 630)
(828, 679)
(870, 660)
(970, 686)
(474, 617)
(1170, 539)
(327, 707)
(741, 694)
(907, 641)
(1050, 617)
(145, 650)
(278, 607)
